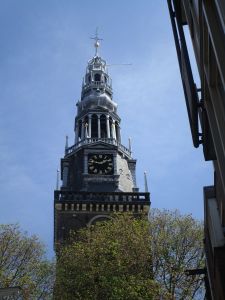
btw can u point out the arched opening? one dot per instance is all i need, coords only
(103, 126)
(94, 126)
(97, 77)
(89, 78)
(99, 218)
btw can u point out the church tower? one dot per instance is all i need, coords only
(97, 172)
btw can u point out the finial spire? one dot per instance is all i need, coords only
(57, 180)
(97, 39)
(66, 145)
(146, 183)
(67, 138)
(129, 141)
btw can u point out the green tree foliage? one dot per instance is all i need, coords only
(177, 245)
(111, 260)
(22, 263)
(118, 259)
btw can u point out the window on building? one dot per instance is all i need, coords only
(97, 77)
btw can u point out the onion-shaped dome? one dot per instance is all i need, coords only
(97, 100)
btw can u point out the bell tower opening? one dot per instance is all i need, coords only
(94, 126)
(103, 126)
(97, 77)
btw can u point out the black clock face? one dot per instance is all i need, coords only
(100, 164)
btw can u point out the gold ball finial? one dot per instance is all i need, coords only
(97, 43)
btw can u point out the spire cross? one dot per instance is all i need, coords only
(97, 39)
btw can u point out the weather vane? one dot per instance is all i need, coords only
(97, 39)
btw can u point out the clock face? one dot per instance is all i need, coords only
(100, 164)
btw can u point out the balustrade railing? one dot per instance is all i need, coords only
(114, 197)
(87, 141)
(97, 84)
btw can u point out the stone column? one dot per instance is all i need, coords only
(99, 127)
(89, 126)
(107, 127)
(118, 134)
(86, 130)
(113, 130)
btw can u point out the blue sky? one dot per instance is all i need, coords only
(45, 46)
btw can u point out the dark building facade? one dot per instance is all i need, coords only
(206, 110)
(97, 172)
